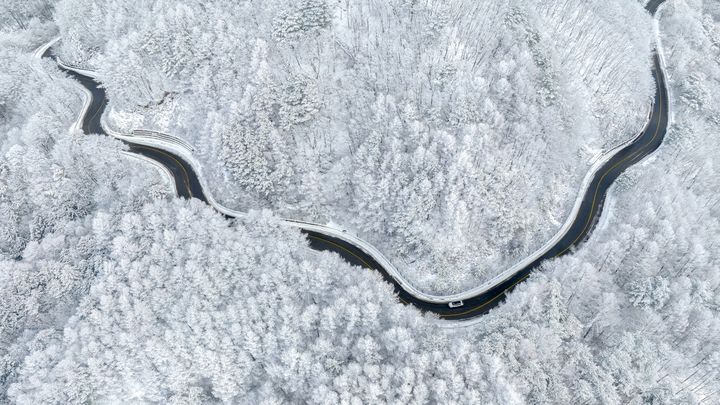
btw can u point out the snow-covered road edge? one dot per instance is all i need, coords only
(185, 154)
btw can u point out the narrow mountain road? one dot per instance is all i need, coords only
(188, 186)
(186, 181)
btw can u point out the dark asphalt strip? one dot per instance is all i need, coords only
(188, 186)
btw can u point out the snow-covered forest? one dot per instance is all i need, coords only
(113, 292)
(451, 135)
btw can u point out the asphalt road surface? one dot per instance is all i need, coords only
(188, 186)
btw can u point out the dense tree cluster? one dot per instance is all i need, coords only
(424, 126)
(648, 280)
(22, 14)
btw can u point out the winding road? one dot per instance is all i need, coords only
(189, 186)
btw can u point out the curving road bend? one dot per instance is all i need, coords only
(590, 210)
(186, 181)
(188, 186)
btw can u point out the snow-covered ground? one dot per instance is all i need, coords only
(110, 292)
(452, 135)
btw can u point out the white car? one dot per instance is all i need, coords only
(456, 304)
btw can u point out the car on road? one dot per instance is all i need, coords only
(456, 304)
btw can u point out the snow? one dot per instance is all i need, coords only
(426, 143)
(112, 292)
